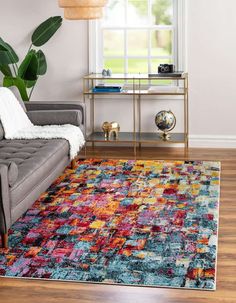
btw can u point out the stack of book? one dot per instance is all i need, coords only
(163, 75)
(107, 88)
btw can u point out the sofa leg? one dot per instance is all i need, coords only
(73, 164)
(5, 240)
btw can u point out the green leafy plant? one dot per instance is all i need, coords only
(24, 76)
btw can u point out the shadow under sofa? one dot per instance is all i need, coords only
(28, 167)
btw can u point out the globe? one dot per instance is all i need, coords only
(165, 121)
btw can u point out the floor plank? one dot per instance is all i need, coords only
(19, 290)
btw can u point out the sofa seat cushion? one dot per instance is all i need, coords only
(12, 171)
(35, 160)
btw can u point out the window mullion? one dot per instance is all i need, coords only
(149, 35)
(149, 50)
(149, 13)
(137, 57)
(125, 51)
(154, 27)
(175, 45)
(126, 39)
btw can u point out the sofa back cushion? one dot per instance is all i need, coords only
(1, 132)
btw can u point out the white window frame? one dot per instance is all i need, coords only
(179, 43)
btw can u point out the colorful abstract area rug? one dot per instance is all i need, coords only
(149, 223)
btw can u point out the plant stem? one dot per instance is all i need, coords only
(14, 65)
(31, 92)
(30, 47)
(14, 68)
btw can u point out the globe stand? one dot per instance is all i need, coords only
(165, 122)
(165, 136)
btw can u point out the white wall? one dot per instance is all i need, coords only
(212, 65)
(211, 62)
(66, 52)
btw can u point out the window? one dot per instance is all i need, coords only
(135, 36)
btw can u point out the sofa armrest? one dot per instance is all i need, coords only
(56, 105)
(55, 117)
(5, 212)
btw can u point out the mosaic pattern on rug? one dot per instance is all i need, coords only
(150, 223)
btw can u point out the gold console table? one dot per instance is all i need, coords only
(136, 86)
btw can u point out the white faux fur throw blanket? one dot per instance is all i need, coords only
(17, 125)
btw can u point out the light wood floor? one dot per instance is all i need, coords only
(18, 290)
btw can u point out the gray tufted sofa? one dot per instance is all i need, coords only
(28, 167)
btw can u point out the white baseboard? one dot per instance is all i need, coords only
(210, 141)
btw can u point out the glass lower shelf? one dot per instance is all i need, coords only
(130, 137)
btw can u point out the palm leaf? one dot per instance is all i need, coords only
(28, 69)
(42, 63)
(7, 54)
(5, 69)
(30, 84)
(46, 30)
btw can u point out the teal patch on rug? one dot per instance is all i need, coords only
(146, 223)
